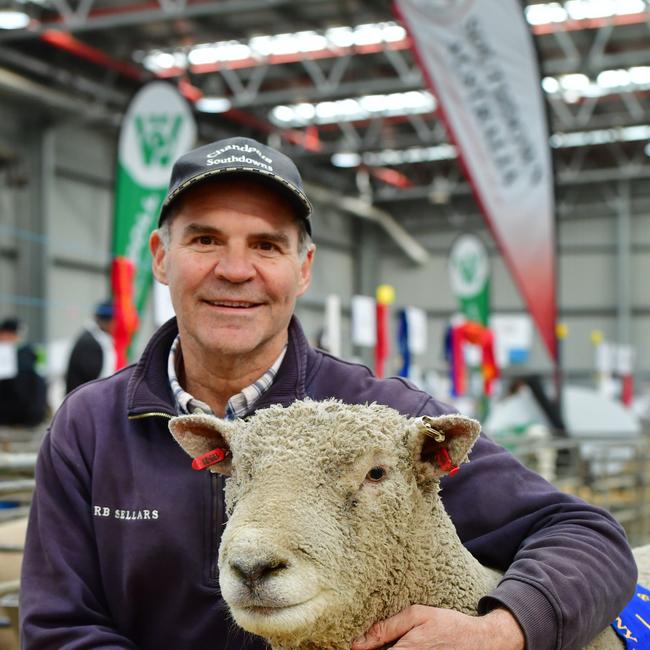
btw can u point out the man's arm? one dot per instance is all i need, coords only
(568, 568)
(62, 603)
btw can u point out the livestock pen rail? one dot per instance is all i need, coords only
(609, 471)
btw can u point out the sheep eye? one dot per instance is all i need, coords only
(376, 474)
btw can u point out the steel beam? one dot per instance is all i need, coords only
(145, 14)
(100, 91)
(564, 179)
(366, 210)
(315, 94)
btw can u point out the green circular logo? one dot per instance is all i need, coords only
(469, 267)
(158, 128)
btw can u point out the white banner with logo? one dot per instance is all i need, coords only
(158, 127)
(479, 60)
(469, 273)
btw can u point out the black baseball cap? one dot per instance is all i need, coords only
(238, 156)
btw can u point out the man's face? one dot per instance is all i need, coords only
(233, 268)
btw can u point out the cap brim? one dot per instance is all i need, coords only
(294, 194)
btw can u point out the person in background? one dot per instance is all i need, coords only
(93, 354)
(23, 394)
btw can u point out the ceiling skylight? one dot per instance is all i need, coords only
(354, 109)
(573, 87)
(261, 48)
(394, 157)
(560, 12)
(13, 19)
(600, 136)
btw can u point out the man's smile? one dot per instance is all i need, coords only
(232, 304)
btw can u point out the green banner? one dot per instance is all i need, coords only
(158, 127)
(469, 272)
(131, 239)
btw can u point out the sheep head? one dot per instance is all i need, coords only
(331, 508)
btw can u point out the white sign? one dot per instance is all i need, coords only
(625, 359)
(416, 319)
(513, 337)
(57, 356)
(333, 324)
(364, 321)
(8, 361)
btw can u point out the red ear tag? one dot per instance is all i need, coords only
(444, 461)
(210, 458)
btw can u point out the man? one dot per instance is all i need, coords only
(93, 354)
(123, 536)
(23, 392)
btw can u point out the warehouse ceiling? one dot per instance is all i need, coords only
(334, 83)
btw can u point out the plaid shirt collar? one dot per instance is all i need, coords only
(237, 406)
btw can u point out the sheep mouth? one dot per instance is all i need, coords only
(271, 610)
(280, 619)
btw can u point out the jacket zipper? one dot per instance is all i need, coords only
(217, 514)
(140, 416)
(216, 529)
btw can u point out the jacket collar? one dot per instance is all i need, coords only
(148, 391)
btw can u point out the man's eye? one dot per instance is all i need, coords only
(267, 246)
(205, 240)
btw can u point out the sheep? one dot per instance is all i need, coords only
(335, 520)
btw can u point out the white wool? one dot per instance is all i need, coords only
(341, 549)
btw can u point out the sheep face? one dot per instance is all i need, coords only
(330, 506)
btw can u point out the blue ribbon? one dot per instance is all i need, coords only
(403, 342)
(633, 623)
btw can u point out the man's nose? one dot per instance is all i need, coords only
(234, 266)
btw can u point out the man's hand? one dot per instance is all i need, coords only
(430, 628)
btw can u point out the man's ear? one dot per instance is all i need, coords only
(305, 270)
(442, 443)
(158, 252)
(204, 438)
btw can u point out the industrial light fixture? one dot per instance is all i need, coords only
(346, 159)
(13, 18)
(353, 109)
(396, 157)
(261, 48)
(561, 12)
(213, 104)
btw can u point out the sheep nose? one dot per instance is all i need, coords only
(251, 572)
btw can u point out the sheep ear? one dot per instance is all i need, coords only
(204, 438)
(444, 442)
